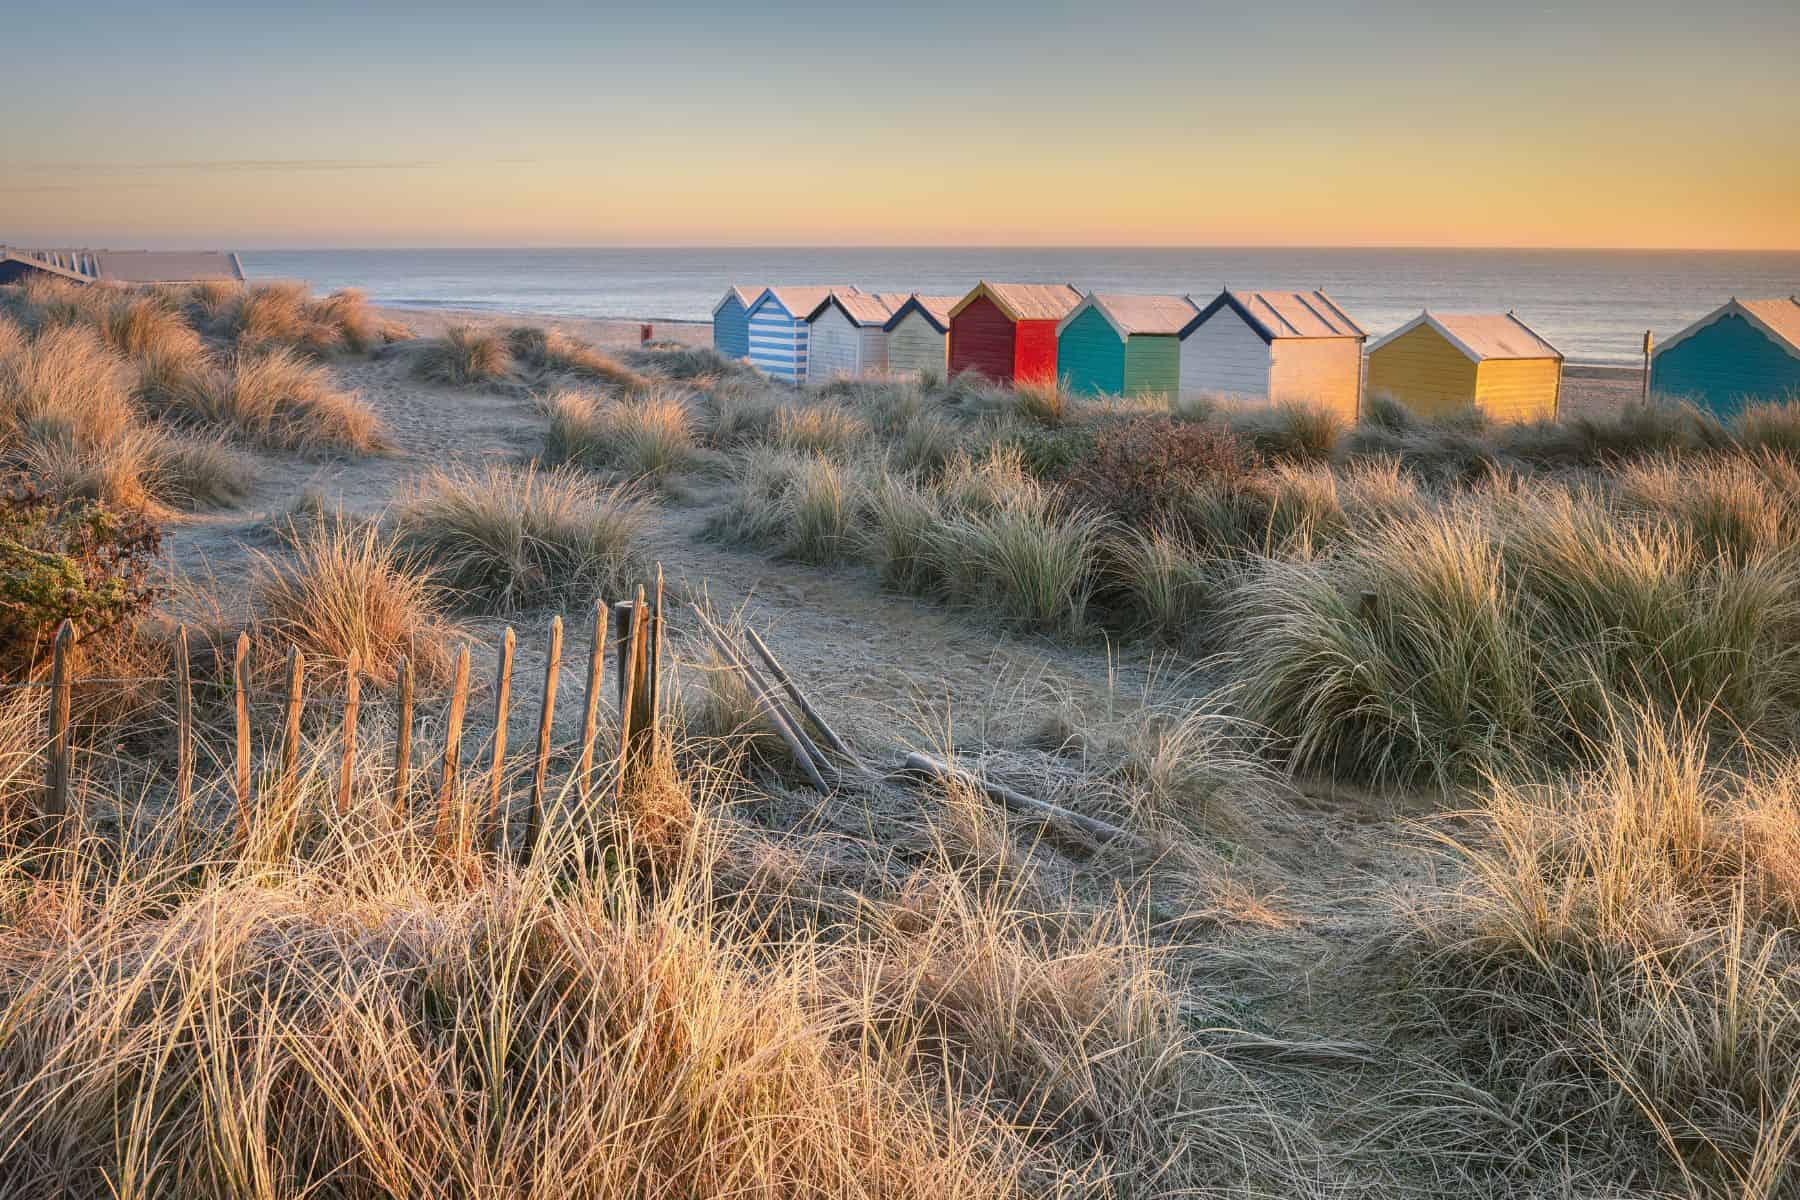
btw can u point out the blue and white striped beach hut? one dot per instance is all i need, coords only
(731, 328)
(779, 330)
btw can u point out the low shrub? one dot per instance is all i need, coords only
(1139, 471)
(80, 561)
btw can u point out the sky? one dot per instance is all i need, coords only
(1611, 123)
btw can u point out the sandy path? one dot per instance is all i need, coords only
(882, 663)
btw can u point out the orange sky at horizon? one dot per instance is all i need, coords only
(1370, 129)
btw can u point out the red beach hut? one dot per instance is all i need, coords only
(1007, 331)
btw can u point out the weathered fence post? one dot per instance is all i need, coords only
(631, 688)
(534, 820)
(240, 683)
(290, 737)
(184, 725)
(61, 766)
(352, 701)
(590, 715)
(403, 738)
(453, 723)
(502, 705)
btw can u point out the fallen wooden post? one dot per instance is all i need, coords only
(1019, 802)
(799, 698)
(765, 703)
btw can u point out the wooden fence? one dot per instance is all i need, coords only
(637, 634)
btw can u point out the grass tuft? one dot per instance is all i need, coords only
(517, 537)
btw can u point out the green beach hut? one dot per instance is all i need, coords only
(1113, 344)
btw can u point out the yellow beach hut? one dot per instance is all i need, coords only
(918, 335)
(1439, 362)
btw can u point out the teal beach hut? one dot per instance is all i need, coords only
(1744, 352)
(1120, 345)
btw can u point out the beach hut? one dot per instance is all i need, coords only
(1007, 331)
(731, 322)
(1275, 347)
(918, 335)
(849, 335)
(779, 332)
(1122, 345)
(1440, 362)
(1741, 353)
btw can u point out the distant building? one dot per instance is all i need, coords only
(1743, 352)
(123, 268)
(1007, 331)
(1122, 345)
(1274, 347)
(1439, 362)
(849, 335)
(778, 330)
(731, 322)
(918, 335)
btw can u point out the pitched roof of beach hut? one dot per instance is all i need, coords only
(1779, 319)
(935, 310)
(1129, 314)
(860, 308)
(1024, 301)
(745, 296)
(1281, 314)
(800, 299)
(1480, 336)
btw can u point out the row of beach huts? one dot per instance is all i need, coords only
(1256, 346)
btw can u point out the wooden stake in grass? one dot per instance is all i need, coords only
(240, 684)
(534, 822)
(453, 723)
(502, 707)
(184, 725)
(290, 737)
(590, 715)
(352, 701)
(61, 767)
(403, 738)
(629, 688)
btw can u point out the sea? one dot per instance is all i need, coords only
(1595, 305)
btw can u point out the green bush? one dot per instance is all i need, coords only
(81, 561)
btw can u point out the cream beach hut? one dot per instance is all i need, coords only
(918, 335)
(1275, 347)
(849, 335)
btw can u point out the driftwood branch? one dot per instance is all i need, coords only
(1019, 802)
